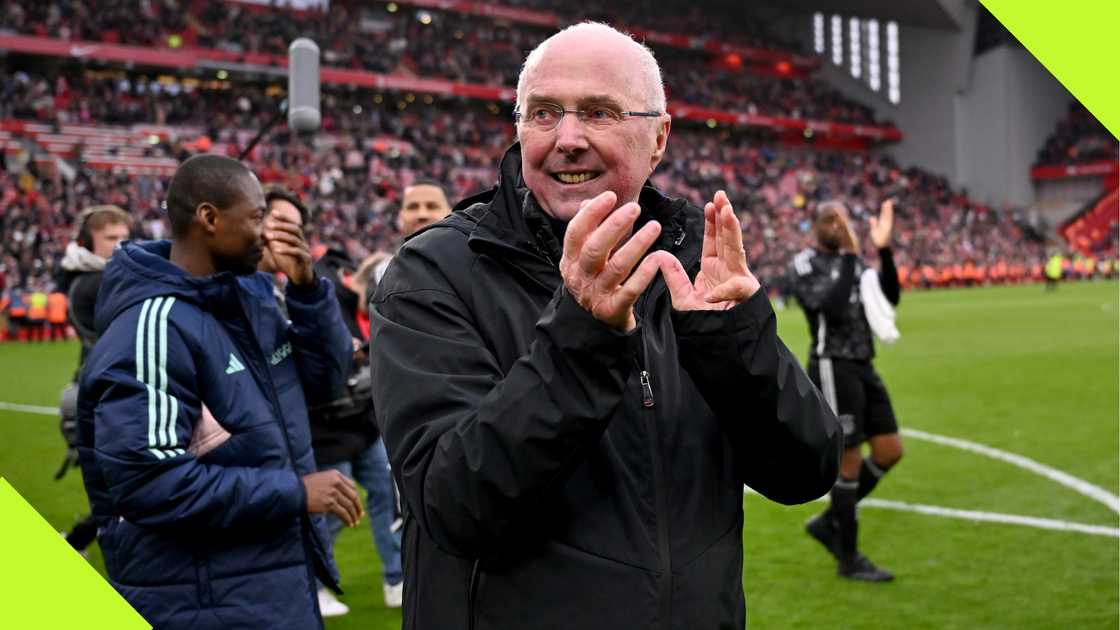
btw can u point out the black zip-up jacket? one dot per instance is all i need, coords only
(826, 284)
(557, 473)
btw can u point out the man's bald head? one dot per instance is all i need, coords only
(601, 41)
(619, 132)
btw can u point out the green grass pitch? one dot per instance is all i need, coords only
(1014, 368)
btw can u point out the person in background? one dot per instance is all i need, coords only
(1053, 271)
(100, 230)
(37, 311)
(843, 302)
(56, 315)
(422, 204)
(344, 436)
(17, 314)
(194, 438)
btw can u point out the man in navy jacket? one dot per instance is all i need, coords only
(194, 434)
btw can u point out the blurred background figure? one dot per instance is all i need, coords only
(100, 230)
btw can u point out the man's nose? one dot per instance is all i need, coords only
(571, 134)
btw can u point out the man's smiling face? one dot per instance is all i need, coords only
(574, 161)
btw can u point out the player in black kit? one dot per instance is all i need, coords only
(829, 283)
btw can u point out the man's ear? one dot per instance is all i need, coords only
(662, 141)
(207, 216)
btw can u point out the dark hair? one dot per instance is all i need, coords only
(428, 182)
(275, 193)
(206, 178)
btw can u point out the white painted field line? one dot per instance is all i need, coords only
(1065, 479)
(1073, 483)
(992, 517)
(46, 411)
(987, 517)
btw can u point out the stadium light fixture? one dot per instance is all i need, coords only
(818, 33)
(854, 47)
(894, 91)
(837, 40)
(391, 7)
(873, 60)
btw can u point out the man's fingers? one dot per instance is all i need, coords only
(676, 278)
(588, 218)
(284, 237)
(721, 199)
(283, 249)
(348, 498)
(353, 506)
(342, 511)
(623, 260)
(593, 254)
(734, 255)
(886, 210)
(638, 282)
(734, 290)
(280, 228)
(710, 227)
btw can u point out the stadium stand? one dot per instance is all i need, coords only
(96, 132)
(1093, 232)
(466, 48)
(1079, 139)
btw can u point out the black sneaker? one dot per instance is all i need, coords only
(823, 529)
(860, 568)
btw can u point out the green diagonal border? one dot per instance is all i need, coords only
(1074, 40)
(45, 583)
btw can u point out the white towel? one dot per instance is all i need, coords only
(879, 312)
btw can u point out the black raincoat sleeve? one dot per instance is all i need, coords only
(787, 439)
(476, 452)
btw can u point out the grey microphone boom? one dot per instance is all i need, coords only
(303, 86)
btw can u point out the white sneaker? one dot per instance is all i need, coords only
(329, 606)
(394, 595)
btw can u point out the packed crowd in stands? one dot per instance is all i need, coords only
(450, 45)
(371, 147)
(373, 144)
(1079, 139)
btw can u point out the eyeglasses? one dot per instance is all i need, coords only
(546, 116)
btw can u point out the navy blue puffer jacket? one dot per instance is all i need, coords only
(208, 528)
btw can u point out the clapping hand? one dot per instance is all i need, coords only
(724, 279)
(596, 270)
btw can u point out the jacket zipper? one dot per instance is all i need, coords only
(307, 527)
(665, 560)
(472, 593)
(661, 502)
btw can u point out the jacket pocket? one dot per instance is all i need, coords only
(596, 592)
